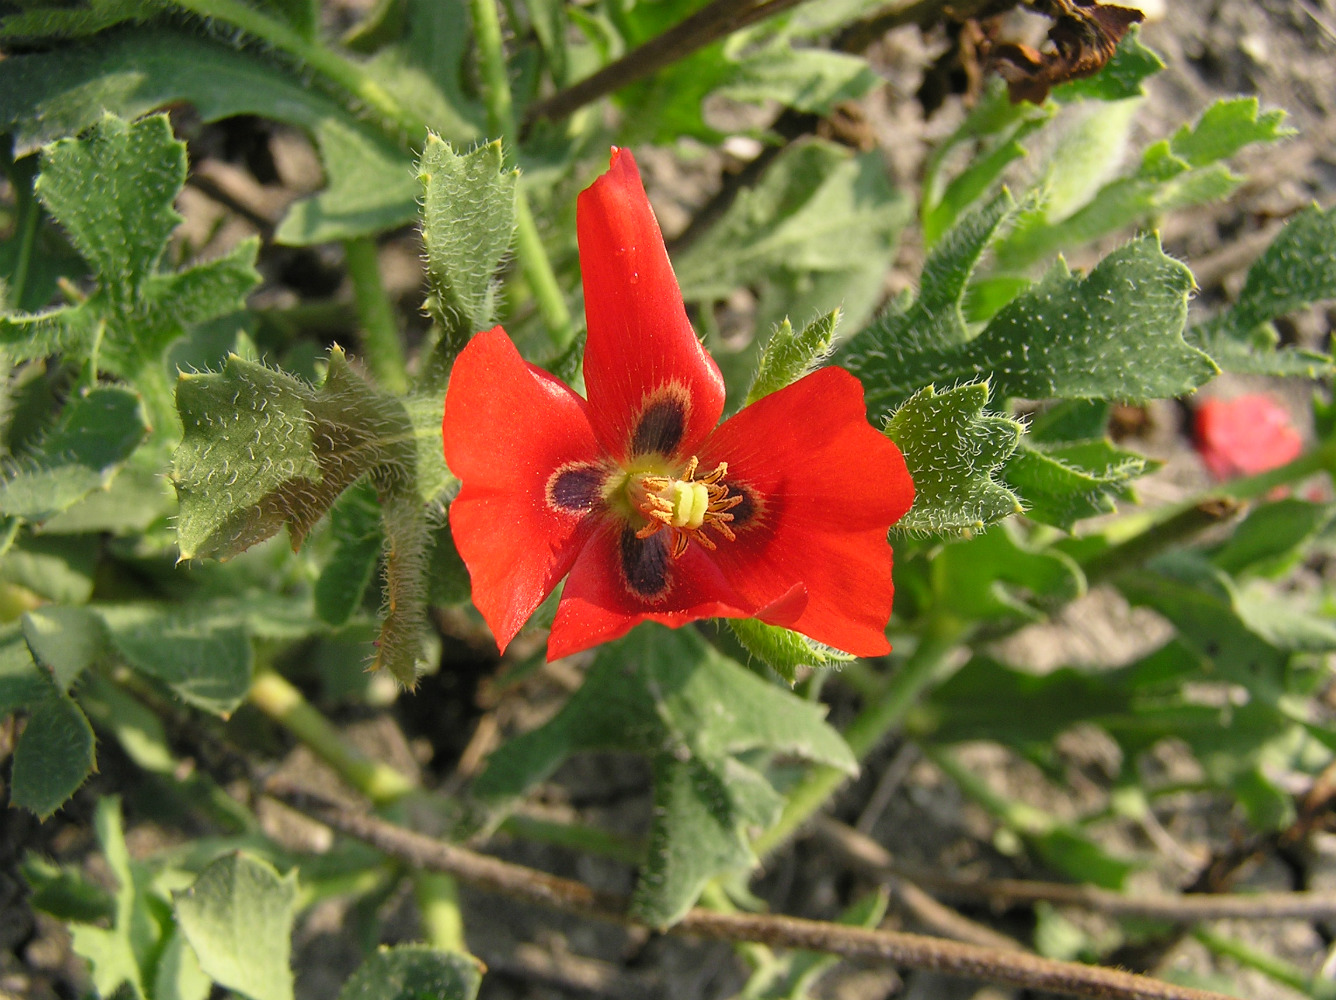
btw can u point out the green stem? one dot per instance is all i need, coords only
(542, 280)
(588, 839)
(533, 257)
(495, 74)
(1278, 969)
(923, 668)
(343, 72)
(437, 897)
(381, 344)
(283, 703)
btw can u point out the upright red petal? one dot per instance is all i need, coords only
(598, 605)
(509, 428)
(651, 385)
(823, 489)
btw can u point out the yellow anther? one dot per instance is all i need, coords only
(684, 505)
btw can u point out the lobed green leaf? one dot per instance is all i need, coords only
(788, 356)
(262, 449)
(468, 221)
(61, 92)
(783, 651)
(207, 662)
(54, 757)
(953, 449)
(1061, 484)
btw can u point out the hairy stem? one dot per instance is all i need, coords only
(382, 347)
(904, 950)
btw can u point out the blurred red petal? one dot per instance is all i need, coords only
(641, 349)
(1245, 435)
(508, 427)
(828, 487)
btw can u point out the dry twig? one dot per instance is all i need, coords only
(903, 950)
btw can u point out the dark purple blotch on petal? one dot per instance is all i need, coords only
(577, 489)
(646, 564)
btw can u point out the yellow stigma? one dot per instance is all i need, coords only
(684, 505)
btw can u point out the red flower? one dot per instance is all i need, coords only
(779, 513)
(1244, 436)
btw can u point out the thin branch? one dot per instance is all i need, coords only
(709, 24)
(904, 950)
(873, 859)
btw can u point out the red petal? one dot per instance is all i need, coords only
(597, 606)
(828, 486)
(1246, 435)
(640, 345)
(508, 427)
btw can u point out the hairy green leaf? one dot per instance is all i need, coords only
(96, 432)
(692, 712)
(263, 449)
(54, 756)
(784, 651)
(355, 525)
(47, 95)
(1061, 484)
(468, 220)
(934, 322)
(818, 228)
(414, 972)
(63, 640)
(1116, 333)
(50, 21)
(953, 449)
(788, 356)
(112, 191)
(1295, 271)
(238, 919)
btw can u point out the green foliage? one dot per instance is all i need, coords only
(1116, 333)
(793, 975)
(54, 757)
(1066, 482)
(355, 527)
(207, 661)
(818, 228)
(262, 449)
(783, 651)
(706, 724)
(237, 917)
(1296, 270)
(53, 20)
(412, 972)
(45, 95)
(96, 432)
(933, 322)
(953, 449)
(996, 576)
(788, 356)
(468, 220)
(1174, 173)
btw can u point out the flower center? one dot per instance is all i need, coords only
(684, 505)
